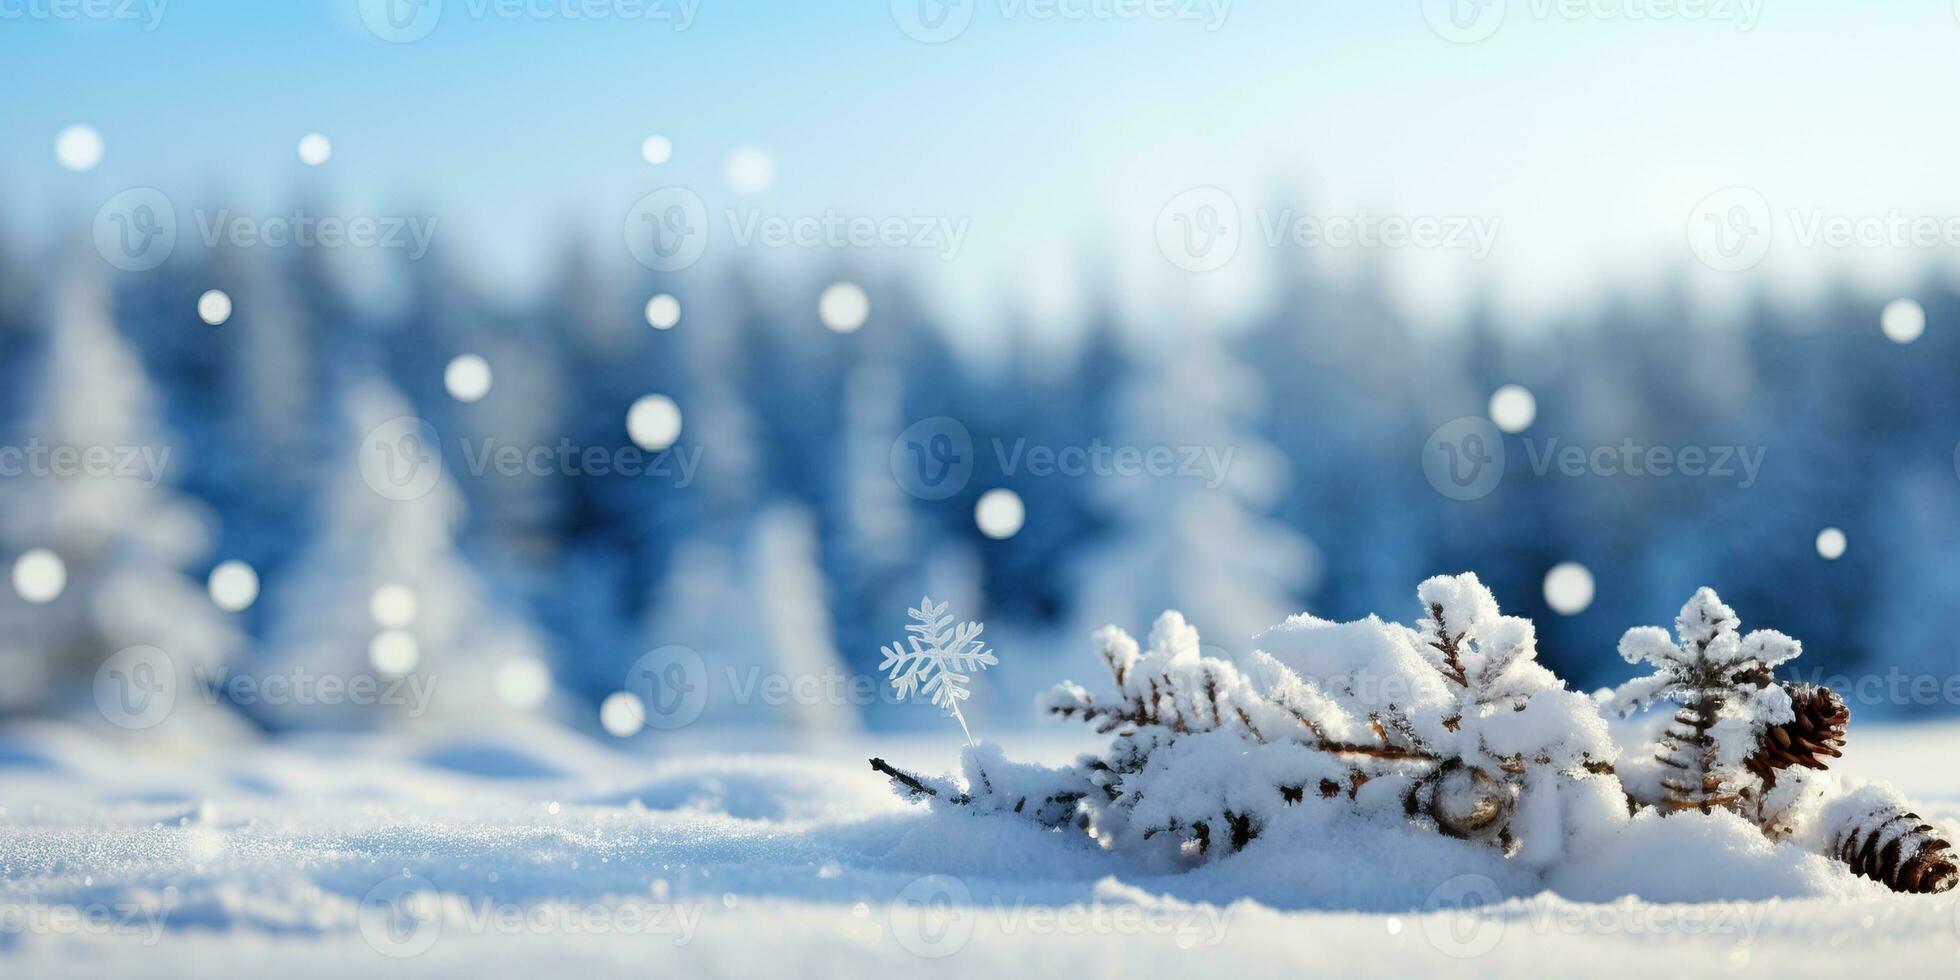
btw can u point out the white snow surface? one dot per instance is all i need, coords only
(535, 851)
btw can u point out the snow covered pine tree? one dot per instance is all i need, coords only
(1744, 742)
(1452, 726)
(1728, 696)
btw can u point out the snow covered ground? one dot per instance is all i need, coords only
(537, 851)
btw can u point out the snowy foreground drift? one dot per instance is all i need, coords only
(539, 853)
(1351, 799)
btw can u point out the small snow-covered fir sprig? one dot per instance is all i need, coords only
(1722, 680)
(1711, 655)
(938, 659)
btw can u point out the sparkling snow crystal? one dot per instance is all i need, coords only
(938, 660)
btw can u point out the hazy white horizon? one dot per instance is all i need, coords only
(1568, 155)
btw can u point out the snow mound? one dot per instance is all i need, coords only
(1700, 857)
(1352, 657)
(754, 865)
(1348, 867)
(757, 788)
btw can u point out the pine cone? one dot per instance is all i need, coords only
(1894, 846)
(1815, 734)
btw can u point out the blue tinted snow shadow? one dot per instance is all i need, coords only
(16, 755)
(491, 762)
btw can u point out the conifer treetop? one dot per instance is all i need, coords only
(1710, 657)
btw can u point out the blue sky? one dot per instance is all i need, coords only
(1585, 139)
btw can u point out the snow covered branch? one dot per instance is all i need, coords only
(1450, 725)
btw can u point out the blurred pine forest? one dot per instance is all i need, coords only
(794, 549)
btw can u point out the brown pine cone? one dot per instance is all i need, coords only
(1810, 739)
(1896, 847)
